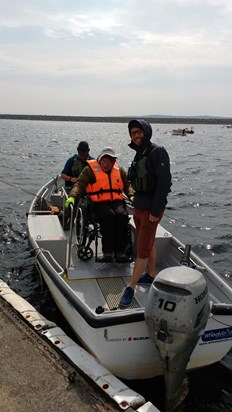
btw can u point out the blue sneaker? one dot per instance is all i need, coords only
(146, 279)
(127, 297)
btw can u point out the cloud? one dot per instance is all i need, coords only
(116, 47)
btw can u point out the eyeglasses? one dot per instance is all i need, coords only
(137, 132)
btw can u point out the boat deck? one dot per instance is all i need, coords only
(104, 283)
(107, 282)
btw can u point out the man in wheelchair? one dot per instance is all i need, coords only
(105, 183)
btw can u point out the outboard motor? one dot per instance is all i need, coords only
(176, 313)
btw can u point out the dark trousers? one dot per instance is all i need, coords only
(113, 219)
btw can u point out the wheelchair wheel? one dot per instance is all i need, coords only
(81, 226)
(85, 253)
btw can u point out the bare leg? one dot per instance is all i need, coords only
(151, 264)
(141, 265)
(139, 268)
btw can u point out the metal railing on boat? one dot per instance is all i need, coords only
(65, 210)
(70, 237)
(51, 263)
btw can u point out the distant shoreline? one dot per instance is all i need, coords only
(117, 119)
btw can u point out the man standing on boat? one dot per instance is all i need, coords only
(75, 164)
(150, 177)
(104, 181)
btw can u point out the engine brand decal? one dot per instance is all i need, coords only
(141, 338)
(199, 298)
(217, 334)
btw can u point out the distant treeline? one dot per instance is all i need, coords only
(155, 119)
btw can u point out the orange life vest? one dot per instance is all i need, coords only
(107, 186)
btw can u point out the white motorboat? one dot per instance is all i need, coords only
(184, 320)
(179, 132)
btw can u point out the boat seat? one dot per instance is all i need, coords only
(162, 242)
(57, 199)
(49, 235)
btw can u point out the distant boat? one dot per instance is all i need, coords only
(228, 126)
(182, 132)
(179, 132)
(187, 130)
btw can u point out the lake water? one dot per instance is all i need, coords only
(199, 212)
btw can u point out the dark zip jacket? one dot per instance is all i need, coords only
(149, 172)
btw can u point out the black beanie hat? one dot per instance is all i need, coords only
(83, 147)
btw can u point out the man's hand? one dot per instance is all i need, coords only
(70, 200)
(74, 179)
(154, 218)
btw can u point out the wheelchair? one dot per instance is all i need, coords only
(88, 231)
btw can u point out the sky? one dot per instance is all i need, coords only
(116, 57)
